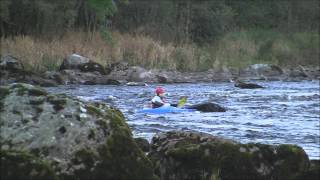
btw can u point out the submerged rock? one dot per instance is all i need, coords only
(244, 85)
(192, 155)
(207, 107)
(46, 136)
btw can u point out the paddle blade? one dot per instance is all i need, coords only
(182, 101)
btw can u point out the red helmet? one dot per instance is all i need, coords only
(160, 90)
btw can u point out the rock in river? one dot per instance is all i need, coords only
(243, 85)
(46, 136)
(193, 155)
(207, 107)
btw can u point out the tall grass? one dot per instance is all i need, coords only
(236, 50)
(239, 49)
(41, 55)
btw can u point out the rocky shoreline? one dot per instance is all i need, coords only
(48, 136)
(77, 69)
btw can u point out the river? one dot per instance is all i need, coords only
(281, 113)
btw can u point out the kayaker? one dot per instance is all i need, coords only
(159, 99)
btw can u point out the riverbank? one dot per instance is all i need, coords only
(77, 69)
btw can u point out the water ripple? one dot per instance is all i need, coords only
(283, 112)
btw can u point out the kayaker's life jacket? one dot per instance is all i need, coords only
(157, 101)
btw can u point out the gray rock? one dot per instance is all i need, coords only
(92, 67)
(262, 71)
(70, 76)
(12, 71)
(139, 74)
(266, 69)
(59, 137)
(55, 76)
(83, 64)
(136, 84)
(10, 63)
(73, 61)
(118, 66)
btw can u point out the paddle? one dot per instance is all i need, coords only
(182, 101)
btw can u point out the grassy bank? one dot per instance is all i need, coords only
(236, 50)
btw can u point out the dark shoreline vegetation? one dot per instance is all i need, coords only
(172, 34)
(47, 136)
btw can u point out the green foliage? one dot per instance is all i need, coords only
(187, 21)
(53, 18)
(103, 7)
(204, 21)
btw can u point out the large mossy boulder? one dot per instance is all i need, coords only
(46, 136)
(192, 155)
(312, 173)
(21, 165)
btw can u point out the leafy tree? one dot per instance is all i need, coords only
(52, 18)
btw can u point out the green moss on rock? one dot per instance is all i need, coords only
(94, 110)
(37, 92)
(92, 134)
(85, 156)
(57, 102)
(291, 159)
(312, 173)
(143, 144)
(99, 147)
(191, 155)
(117, 120)
(22, 165)
(4, 91)
(22, 89)
(37, 100)
(133, 163)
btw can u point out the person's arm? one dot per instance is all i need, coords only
(158, 104)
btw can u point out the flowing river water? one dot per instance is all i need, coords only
(281, 113)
